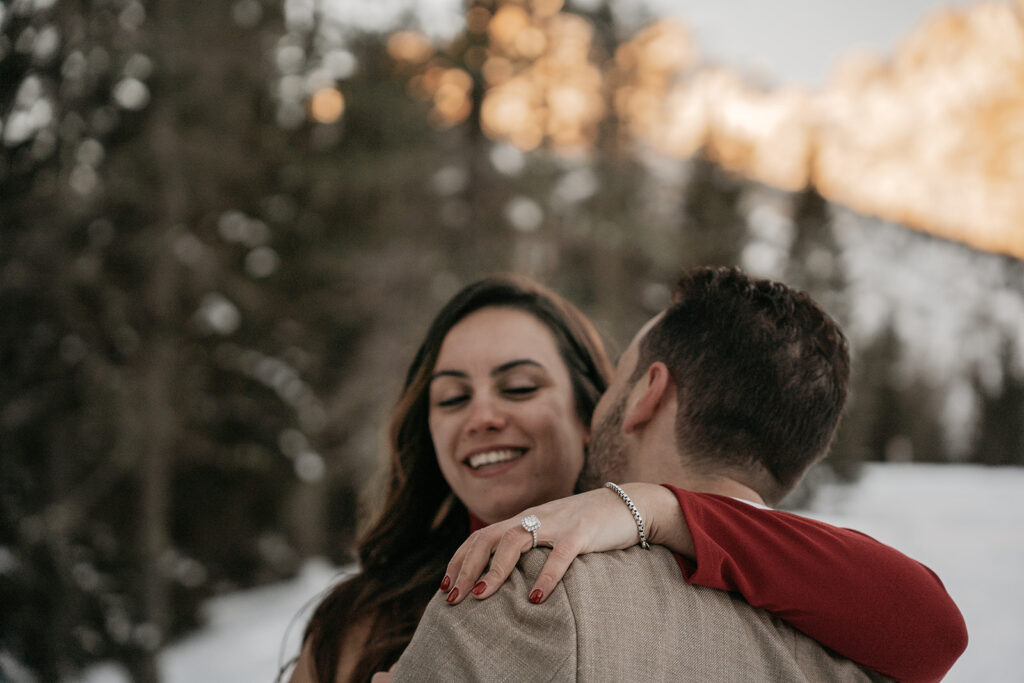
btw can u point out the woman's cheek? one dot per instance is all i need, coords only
(438, 438)
(441, 447)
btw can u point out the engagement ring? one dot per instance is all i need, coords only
(531, 524)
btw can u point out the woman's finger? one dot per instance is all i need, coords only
(558, 562)
(506, 555)
(473, 565)
(455, 564)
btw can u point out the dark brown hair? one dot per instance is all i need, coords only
(761, 372)
(404, 551)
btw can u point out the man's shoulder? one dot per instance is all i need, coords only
(502, 638)
(600, 572)
(616, 616)
(506, 637)
(634, 611)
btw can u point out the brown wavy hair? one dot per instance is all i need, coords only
(403, 552)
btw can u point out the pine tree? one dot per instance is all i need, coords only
(714, 228)
(999, 430)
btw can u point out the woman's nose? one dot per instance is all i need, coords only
(485, 417)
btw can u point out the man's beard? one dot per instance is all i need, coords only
(606, 457)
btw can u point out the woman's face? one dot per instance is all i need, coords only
(502, 414)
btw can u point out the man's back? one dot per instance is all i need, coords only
(625, 615)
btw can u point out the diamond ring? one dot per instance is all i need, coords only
(531, 524)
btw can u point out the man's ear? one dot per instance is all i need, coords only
(647, 396)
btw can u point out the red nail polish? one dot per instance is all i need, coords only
(536, 595)
(445, 583)
(453, 595)
(479, 588)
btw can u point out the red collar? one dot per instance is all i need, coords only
(475, 523)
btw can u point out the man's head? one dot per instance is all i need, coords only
(756, 374)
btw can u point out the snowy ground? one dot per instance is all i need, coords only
(966, 523)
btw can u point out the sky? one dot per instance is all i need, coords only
(793, 41)
(788, 41)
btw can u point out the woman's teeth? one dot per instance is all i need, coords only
(492, 457)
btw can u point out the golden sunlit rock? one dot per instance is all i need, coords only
(934, 138)
(457, 78)
(646, 68)
(327, 105)
(530, 42)
(508, 21)
(683, 133)
(452, 102)
(547, 8)
(541, 81)
(497, 70)
(568, 106)
(410, 47)
(665, 48)
(765, 136)
(451, 105)
(509, 107)
(432, 78)
(569, 37)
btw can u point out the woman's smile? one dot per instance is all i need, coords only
(486, 459)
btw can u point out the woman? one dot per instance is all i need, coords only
(496, 409)
(363, 625)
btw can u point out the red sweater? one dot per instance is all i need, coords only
(868, 602)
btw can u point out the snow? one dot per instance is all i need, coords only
(965, 522)
(246, 635)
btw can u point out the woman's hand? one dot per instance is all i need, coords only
(589, 522)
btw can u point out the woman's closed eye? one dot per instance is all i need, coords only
(522, 391)
(452, 401)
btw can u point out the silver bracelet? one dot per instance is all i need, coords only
(632, 509)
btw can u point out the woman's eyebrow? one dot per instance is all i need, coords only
(449, 373)
(505, 367)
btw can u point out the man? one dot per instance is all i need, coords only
(735, 389)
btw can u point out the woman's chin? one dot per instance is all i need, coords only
(498, 510)
(501, 498)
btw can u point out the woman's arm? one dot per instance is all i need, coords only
(594, 521)
(861, 598)
(867, 601)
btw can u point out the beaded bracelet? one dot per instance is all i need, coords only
(632, 509)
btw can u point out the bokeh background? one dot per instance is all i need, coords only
(224, 226)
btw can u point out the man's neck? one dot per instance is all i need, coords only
(678, 472)
(718, 484)
(655, 457)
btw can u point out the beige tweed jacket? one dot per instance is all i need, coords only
(618, 616)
